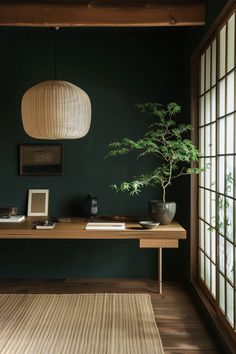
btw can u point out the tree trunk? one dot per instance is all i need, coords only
(164, 195)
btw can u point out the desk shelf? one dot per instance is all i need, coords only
(76, 230)
(165, 236)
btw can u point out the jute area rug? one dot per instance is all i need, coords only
(78, 323)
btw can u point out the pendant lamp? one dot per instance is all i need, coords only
(56, 110)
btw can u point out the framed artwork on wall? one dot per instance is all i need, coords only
(38, 202)
(41, 160)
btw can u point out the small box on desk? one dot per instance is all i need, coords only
(45, 225)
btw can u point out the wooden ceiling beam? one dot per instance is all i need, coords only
(191, 13)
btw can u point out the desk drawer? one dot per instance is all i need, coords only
(158, 243)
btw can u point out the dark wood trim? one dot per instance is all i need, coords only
(194, 178)
(223, 16)
(76, 15)
(221, 326)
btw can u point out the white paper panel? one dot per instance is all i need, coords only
(222, 254)
(213, 104)
(207, 240)
(201, 234)
(221, 136)
(230, 261)
(202, 110)
(208, 108)
(213, 209)
(222, 51)
(213, 246)
(208, 140)
(201, 204)
(230, 303)
(221, 174)
(208, 173)
(207, 206)
(202, 84)
(222, 293)
(222, 98)
(230, 93)
(230, 134)
(231, 43)
(221, 214)
(213, 63)
(201, 175)
(208, 273)
(213, 139)
(235, 233)
(229, 176)
(202, 140)
(213, 280)
(230, 219)
(208, 68)
(213, 173)
(202, 266)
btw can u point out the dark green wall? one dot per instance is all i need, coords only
(117, 68)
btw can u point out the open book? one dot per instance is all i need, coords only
(105, 226)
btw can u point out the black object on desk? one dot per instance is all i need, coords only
(90, 206)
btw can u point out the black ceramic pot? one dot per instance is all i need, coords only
(162, 212)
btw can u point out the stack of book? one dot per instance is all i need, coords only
(14, 218)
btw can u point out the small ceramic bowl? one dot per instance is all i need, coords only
(149, 224)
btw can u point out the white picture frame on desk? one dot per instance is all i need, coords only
(38, 202)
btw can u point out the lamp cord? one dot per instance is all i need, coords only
(56, 52)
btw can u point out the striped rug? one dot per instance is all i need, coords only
(78, 323)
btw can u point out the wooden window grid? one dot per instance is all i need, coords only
(213, 264)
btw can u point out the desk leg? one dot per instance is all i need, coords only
(159, 270)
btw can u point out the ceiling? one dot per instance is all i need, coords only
(91, 13)
(102, 2)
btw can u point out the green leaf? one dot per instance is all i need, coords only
(165, 141)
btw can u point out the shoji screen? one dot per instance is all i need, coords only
(216, 186)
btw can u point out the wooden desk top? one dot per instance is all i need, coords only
(76, 230)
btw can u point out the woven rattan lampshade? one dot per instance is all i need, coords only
(56, 110)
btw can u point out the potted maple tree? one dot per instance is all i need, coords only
(166, 141)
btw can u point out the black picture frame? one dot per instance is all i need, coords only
(40, 160)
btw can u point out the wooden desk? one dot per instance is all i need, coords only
(165, 236)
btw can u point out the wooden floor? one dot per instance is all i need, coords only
(180, 323)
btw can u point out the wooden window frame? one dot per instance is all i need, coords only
(208, 302)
